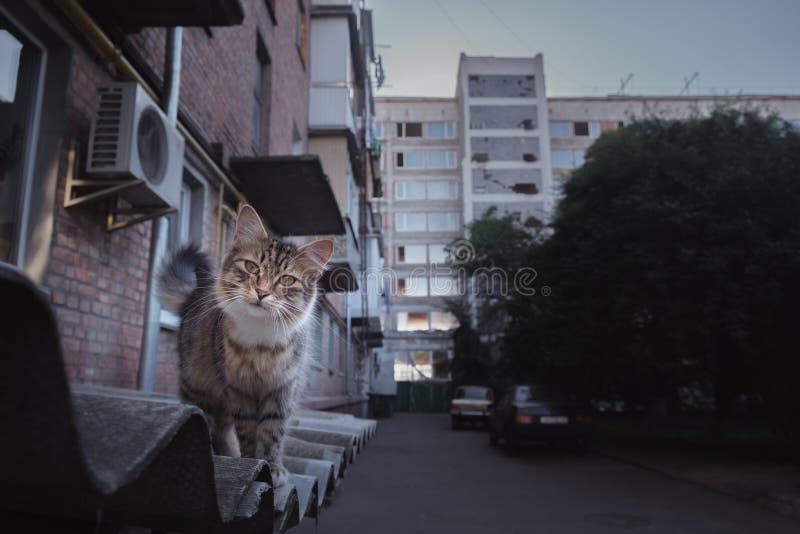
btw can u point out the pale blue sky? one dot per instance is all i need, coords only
(588, 45)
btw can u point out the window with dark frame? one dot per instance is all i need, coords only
(581, 128)
(17, 132)
(261, 92)
(409, 129)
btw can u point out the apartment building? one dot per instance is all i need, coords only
(514, 149)
(216, 113)
(576, 122)
(340, 118)
(422, 212)
(504, 137)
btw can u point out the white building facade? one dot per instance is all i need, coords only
(422, 212)
(504, 137)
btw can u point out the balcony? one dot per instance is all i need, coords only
(330, 107)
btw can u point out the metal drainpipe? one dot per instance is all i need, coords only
(349, 344)
(158, 238)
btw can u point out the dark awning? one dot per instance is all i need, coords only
(339, 278)
(134, 14)
(291, 193)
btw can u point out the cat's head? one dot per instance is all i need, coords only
(264, 276)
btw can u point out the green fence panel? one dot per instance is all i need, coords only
(401, 399)
(423, 397)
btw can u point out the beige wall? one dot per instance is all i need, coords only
(332, 151)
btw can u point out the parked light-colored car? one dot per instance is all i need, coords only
(471, 404)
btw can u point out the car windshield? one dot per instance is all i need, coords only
(540, 392)
(473, 393)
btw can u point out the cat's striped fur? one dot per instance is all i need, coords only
(243, 340)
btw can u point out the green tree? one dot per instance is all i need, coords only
(675, 255)
(497, 247)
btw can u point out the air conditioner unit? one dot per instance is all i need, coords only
(131, 138)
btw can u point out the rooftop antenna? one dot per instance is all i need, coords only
(623, 82)
(687, 82)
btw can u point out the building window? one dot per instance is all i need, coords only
(437, 253)
(412, 321)
(444, 286)
(443, 321)
(409, 190)
(441, 159)
(580, 129)
(443, 222)
(410, 159)
(301, 31)
(377, 129)
(795, 124)
(442, 190)
(580, 157)
(409, 222)
(413, 286)
(409, 129)
(594, 129)
(441, 364)
(411, 254)
(558, 189)
(17, 143)
(422, 365)
(560, 129)
(567, 159)
(403, 370)
(261, 95)
(440, 130)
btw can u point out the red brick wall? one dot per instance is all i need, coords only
(218, 73)
(98, 280)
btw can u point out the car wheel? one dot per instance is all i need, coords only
(455, 423)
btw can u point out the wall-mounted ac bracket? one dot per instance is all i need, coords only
(80, 192)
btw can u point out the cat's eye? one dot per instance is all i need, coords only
(288, 279)
(251, 266)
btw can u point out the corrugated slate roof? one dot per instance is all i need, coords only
(135, 458)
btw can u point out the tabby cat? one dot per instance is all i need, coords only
(244, 332)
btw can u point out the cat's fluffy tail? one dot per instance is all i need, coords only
(185, 271)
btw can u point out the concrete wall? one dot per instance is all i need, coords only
(389, 112)
(502, 103)
(609, 112)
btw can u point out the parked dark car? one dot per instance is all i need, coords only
(539, 413)
(471, 404)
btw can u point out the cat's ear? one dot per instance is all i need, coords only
(249, 225)
(319, 252)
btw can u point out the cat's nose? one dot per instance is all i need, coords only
(261, 293)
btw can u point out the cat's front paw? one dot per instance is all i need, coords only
(280, 475)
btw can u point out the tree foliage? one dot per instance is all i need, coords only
(674, 258)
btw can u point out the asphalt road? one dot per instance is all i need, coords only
(417, 476)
